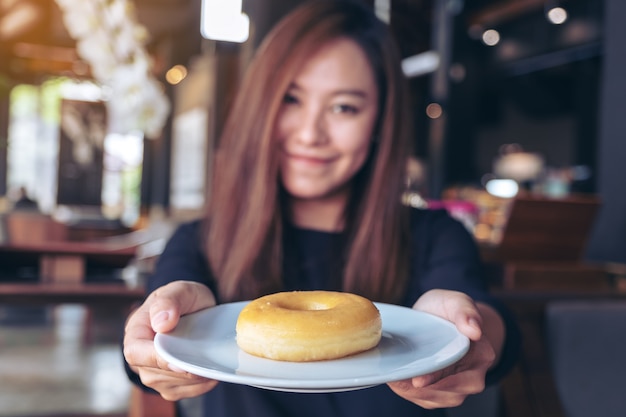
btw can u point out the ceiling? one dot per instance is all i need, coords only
(34, 42)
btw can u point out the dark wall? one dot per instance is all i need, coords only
(539, 87)
(265, 13)
(608, 240)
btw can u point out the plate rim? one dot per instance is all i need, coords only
(294, 385)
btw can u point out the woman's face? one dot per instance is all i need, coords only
(325, 125)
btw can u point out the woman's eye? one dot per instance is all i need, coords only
(290, 99)
(344, 108)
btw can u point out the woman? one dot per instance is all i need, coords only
(307, 196)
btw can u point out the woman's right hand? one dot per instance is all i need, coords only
(160, 314)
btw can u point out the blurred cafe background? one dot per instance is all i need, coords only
(110, 110)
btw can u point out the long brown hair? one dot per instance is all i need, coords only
(246, 210)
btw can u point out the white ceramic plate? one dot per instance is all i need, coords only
(413, 343)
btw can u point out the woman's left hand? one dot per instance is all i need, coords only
(449, 387)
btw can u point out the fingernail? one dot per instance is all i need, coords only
(403, 385)
(160, 317)
(474, 323)
(421, 381)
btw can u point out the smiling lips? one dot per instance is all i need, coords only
(311, 160)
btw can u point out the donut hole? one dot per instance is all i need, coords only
(316, 306)
(305, 306)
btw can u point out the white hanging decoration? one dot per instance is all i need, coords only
(111, 40)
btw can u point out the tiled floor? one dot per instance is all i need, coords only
(48, 368)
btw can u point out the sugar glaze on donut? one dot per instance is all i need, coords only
(304, 326)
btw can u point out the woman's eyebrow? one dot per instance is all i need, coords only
(293, 86)
(340, 91)
(352, 92)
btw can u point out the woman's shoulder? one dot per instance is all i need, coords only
(190, 226)
(437, 225)
(183, 257)
(186, 233)
(428, 219)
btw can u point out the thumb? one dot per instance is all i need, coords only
(468, 321)
(456, 307)
(170, 302)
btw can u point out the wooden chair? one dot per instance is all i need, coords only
(543, 244)
(548, 229)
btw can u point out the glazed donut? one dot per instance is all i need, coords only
(304, 326)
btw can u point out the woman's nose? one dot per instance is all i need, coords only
(312, 127)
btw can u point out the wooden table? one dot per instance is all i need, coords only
(65, 261)
(114, 295)
(60, 275)
(60, 271)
